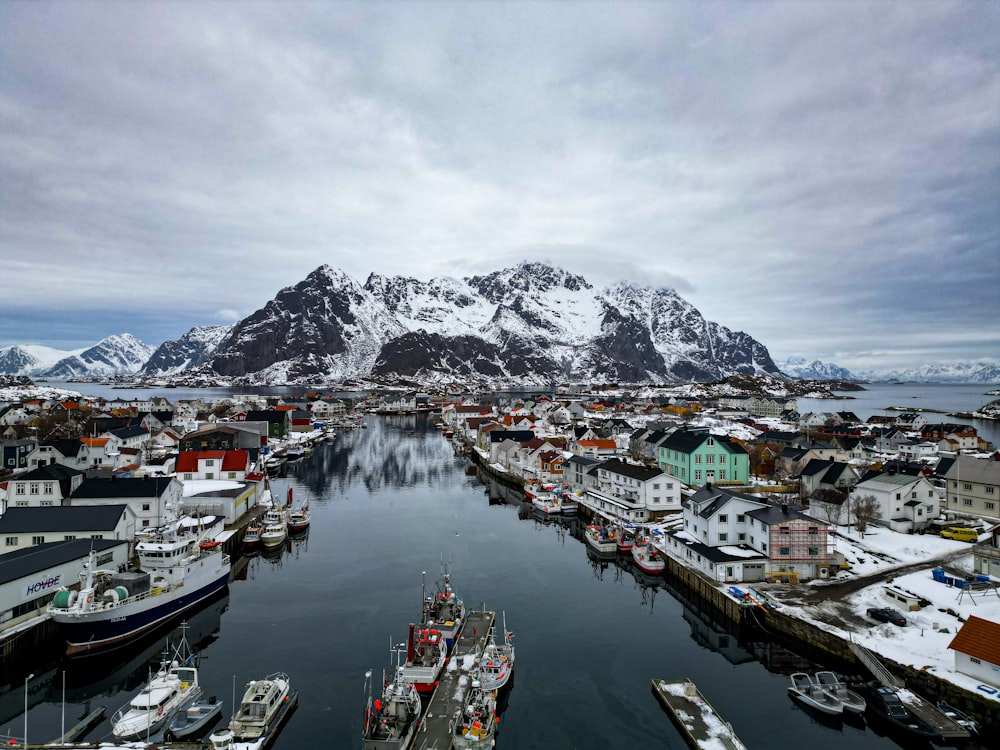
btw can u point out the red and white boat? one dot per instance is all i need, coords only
(625, 539)
(646, 557)
(425, 659)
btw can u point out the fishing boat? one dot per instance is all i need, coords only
(646, 557)
(273, 532)
(173, 687)
(298, 518)
(390, 721)
(808, 692)
(194, 721)
(569, 505)
(425, 658)
(496, 665)
(547, 502)
(265, 707)
(443, 610)
(479, 718)
(111, 607)
(251, 537)
(625, 538)
(601, 540)
(830, 683)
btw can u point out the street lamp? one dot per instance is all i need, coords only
(30, 676)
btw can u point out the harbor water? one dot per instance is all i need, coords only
(391, 504)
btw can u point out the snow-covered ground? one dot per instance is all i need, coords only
(923, 642)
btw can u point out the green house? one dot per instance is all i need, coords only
(697, 456)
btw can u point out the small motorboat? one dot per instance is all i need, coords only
(808, 692)
(266, 705)
(830, 683)
(646, 557)
(194, 722)
(959, 717)
(885, 704)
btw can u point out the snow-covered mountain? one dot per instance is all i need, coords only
(115, 355)
(528, 324)
(981, 371)
(799, 367)
(190, 350)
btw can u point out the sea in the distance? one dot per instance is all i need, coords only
(391, 502)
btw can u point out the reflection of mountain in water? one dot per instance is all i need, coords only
(376, 457)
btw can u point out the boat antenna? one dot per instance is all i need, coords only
(368, 701)
(423, 585)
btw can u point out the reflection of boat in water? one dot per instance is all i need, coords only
(112, 608)
(173, 687)
(265, 706)
(124, 669)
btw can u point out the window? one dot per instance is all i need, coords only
(722, 458)
(783, 530)
(722, 475)
(97, 536)
(11, 541)
(47, 488)
(723, 537)
(69, 537)
(210, 462)
(974, 660)
(710, 458)
(20, 488)
(656, 485)
(966, 486)
(697, 475)
(21, 504)
(723, 518)
(145, 506)
(33, 488)
(813, 551)
(991, 490)
(899, 496)
(45, 504)
(991, 506)
(38, 540)
(966, 501)
(710, 441)
(740, 518)
(232, 475)
(188, 476)
(913, 495)
(697, 459)
(741, 537)
(784, 551)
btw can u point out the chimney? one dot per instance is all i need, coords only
(708, 486)
(784, 508)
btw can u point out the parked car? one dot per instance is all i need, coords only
(960, 533)
(886, 614)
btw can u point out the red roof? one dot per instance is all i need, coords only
(235, 460)
(598, 443)
(978, 638)
(95, 442)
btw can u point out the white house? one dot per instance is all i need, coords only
(642, 492)
(906, 503)
(977, 650)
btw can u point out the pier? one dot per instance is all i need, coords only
(449, 698)
(699, 723)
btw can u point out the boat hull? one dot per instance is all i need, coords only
(95, 631)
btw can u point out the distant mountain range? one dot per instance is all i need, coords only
(115, 355)
(530, 324)
(982, 371)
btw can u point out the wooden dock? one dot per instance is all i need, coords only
(448, 701)
(700, 725)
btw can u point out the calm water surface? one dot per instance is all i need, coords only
(390, 502)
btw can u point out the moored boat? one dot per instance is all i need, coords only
(195, 720)
(959, 717)
(425, 658)
(625, 538)
(262, 711)
(443, 610)
(111, 607)
(173, 687)
(830, 683)
(479, 719)
(811, 694)
(569, 505)
(496, 665)
(884, 704)
(547, 502)
(390, 721)
(273, 531)
(600, 540)
(646, 557)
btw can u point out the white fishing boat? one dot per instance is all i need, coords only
(601, 540)
(804, 689)
(172, 688)
(273, 531)
(547, 501)
(112, 607)
(496, 665)
(646, 557)
(478, 722)
(265, 706)
(443, 610)
(830, 683)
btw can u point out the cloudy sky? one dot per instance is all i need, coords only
(825, 177)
